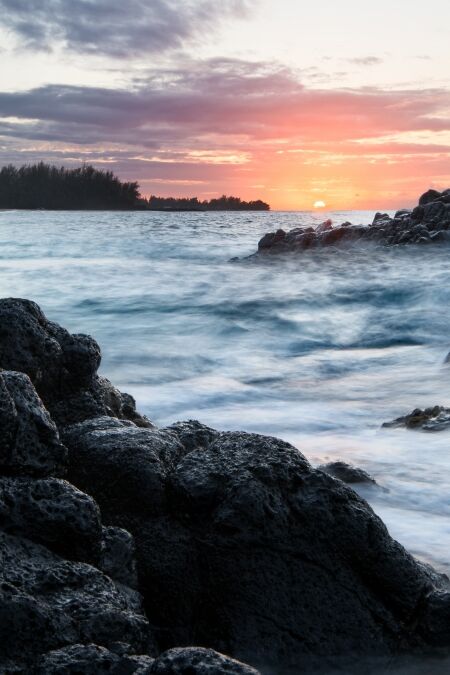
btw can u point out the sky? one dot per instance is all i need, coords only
(345, 103)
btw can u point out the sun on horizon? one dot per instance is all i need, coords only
(319, 204)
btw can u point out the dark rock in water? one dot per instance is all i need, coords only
(347, 473)
(92, 660)
(430, 419)
(238, 513)
(62, 367)
(118, 558)
(29, 440)
(47, 602)
(54, 513)
(198, 661)
(425, 224)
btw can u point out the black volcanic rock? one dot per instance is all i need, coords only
(425, 224)
(240, 513)
(29, 440)
(242, 546)
(54, 513)
(62, 367)
(118, 557)
(92, 660)
(347, 473)
(47, 602)
(436, 418)
(198, 661)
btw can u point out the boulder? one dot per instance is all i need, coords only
(47, 602)
(347, 473)
(91, 660)
(429, 196)
(54, 513)
(29, 440)
(62, 367)
(198, 661)
(217, 517)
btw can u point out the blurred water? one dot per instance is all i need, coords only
(318, 350)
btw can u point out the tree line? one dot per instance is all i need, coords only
(42, 186)
(223, 203)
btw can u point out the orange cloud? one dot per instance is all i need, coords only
(250, 129)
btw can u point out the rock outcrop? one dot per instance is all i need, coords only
(427, 223)
(347, 473)
(241, 545)
(62, 367)
(436, 418)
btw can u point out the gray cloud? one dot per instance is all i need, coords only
(366, 60)
(118, 28)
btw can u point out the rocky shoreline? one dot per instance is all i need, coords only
(427, 223)
(122, 544)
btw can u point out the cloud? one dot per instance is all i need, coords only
(117, 28)
(366, 60)
(228, 124)
(221, 97)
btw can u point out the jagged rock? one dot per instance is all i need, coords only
(29, 440)
(430, 419)
(347, 473)
(198, 661)
(241, 542)
(118, 558)
(51, 512)
(62, 367)
(47, 602)
(92, 660)
(427, 223)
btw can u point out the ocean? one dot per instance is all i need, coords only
(318, 349)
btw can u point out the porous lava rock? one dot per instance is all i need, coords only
(63, 367)
(29, 439)
(244, 547)
(347, 473)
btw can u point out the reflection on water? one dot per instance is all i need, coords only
(318, 349)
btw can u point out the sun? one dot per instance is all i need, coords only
(319, 204)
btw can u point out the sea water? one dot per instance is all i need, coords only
(318, 349)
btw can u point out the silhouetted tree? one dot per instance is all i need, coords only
(49, 187)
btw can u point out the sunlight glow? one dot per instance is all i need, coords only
(319, 204)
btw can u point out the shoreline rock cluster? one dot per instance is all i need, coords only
(123, 544)
(427, 223)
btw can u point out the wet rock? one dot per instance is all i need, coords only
(271, 239)
(92, 660)
(47, 602)
(54, 513)
(436, 418)
(62, 367)
(347, 473)
(224, 515)
(29, 440)
(118, 558)
(198, 661)
(425, 224)
(325, 226)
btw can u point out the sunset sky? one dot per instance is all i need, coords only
(342, 102)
